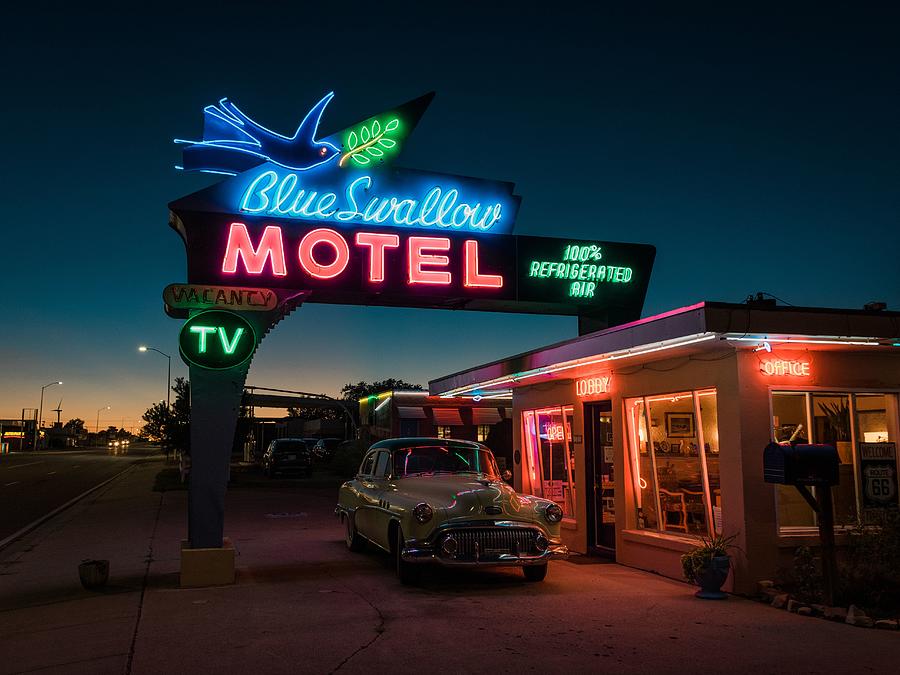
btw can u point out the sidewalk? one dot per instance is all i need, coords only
(303, 603)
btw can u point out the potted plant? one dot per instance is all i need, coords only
(837, 417)
(708, 564)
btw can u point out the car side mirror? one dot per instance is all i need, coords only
(506, 475)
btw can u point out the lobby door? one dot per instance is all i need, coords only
(601, 472)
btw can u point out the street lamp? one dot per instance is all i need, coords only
(97, 426)
(143, 348)
(41, 412)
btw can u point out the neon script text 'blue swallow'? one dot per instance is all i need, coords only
(283, 196)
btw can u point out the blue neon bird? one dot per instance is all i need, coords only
(232, 142)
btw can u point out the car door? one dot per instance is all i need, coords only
(383, 489)
(368, 497)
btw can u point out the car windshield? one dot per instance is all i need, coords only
(430, 459)
(290, 446)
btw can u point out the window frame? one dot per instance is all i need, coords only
(534, 453)
(633, 447)
(809, 391)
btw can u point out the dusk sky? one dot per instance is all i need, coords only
(756, 148)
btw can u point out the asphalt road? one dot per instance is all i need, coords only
(33, 484)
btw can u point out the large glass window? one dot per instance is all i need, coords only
(674, 448)
(551, 455)
(862, 427)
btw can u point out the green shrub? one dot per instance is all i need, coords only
(870, 572)
(347, 457)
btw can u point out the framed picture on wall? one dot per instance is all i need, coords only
(680, 425)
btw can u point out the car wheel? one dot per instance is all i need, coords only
(354, 540)
(535, 572)
(407, 572)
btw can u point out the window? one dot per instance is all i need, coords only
(383, 465)
(674, 449)
(367, 465)
(483, 432)
(862, 428)
(550, 455)
(444, 432)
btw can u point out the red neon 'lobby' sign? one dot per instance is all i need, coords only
(324, 254)
(785, 367)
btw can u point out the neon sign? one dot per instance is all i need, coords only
(592, 386)
(784, 367)
(581, 270)
(325, 254)
(216, 340)
(284, 196)
(232, 142)
(554, 432)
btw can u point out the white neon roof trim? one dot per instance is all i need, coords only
(827, 340)
(566, 365)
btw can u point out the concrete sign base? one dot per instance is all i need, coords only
(207, 566)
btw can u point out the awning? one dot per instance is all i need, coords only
(408, 412)
(485, 415)
(447, 417)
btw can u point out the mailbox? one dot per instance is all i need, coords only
(801, 464)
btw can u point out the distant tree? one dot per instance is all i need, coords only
(354, 392)
(74, 426)
(172, 427)
(310, 413)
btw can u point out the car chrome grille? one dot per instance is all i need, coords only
(489, 543)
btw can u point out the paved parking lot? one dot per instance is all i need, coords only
(303, 603)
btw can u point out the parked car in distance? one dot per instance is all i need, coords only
(287, 455)
(443, 501)
(325, 447)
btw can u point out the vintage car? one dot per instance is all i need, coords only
(433, 500)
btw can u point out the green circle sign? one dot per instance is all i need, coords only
(216, 340)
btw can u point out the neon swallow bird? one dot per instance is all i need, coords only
(232, 142)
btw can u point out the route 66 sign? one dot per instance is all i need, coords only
(879, 474)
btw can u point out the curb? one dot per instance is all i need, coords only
(59, 509)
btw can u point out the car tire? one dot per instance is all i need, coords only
(535, 572)
(407, 572)
(354, 540)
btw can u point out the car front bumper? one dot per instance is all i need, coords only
(429, 550)
(428, 555)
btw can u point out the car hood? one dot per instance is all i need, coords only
(465, 496)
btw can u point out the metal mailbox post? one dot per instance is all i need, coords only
(802, 465)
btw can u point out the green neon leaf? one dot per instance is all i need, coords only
(375, 152)
(360, 159)
(386, 142)
(364, 134)
(372, 139)
(376, 128)
(352, 140)
(392, 125)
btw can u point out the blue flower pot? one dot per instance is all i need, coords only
(712, 577)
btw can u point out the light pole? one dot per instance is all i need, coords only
(143, 348)
(41, 413)
(97, 426)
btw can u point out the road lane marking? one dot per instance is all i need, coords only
(15, 482)
(19, 466)
(59, 509)
(51, 473)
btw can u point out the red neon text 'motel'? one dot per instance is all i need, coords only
(419, 259)
(377, 244)
(472, 278)
(239, 246)
(308, 260)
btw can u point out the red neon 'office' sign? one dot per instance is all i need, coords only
(785, 367)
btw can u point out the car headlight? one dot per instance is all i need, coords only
(423, 513)
(553, 513)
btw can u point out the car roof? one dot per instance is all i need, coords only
(395, 443)
(280, 440)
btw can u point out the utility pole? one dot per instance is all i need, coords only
(40, 414)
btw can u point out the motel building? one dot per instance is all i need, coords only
(650, 434)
